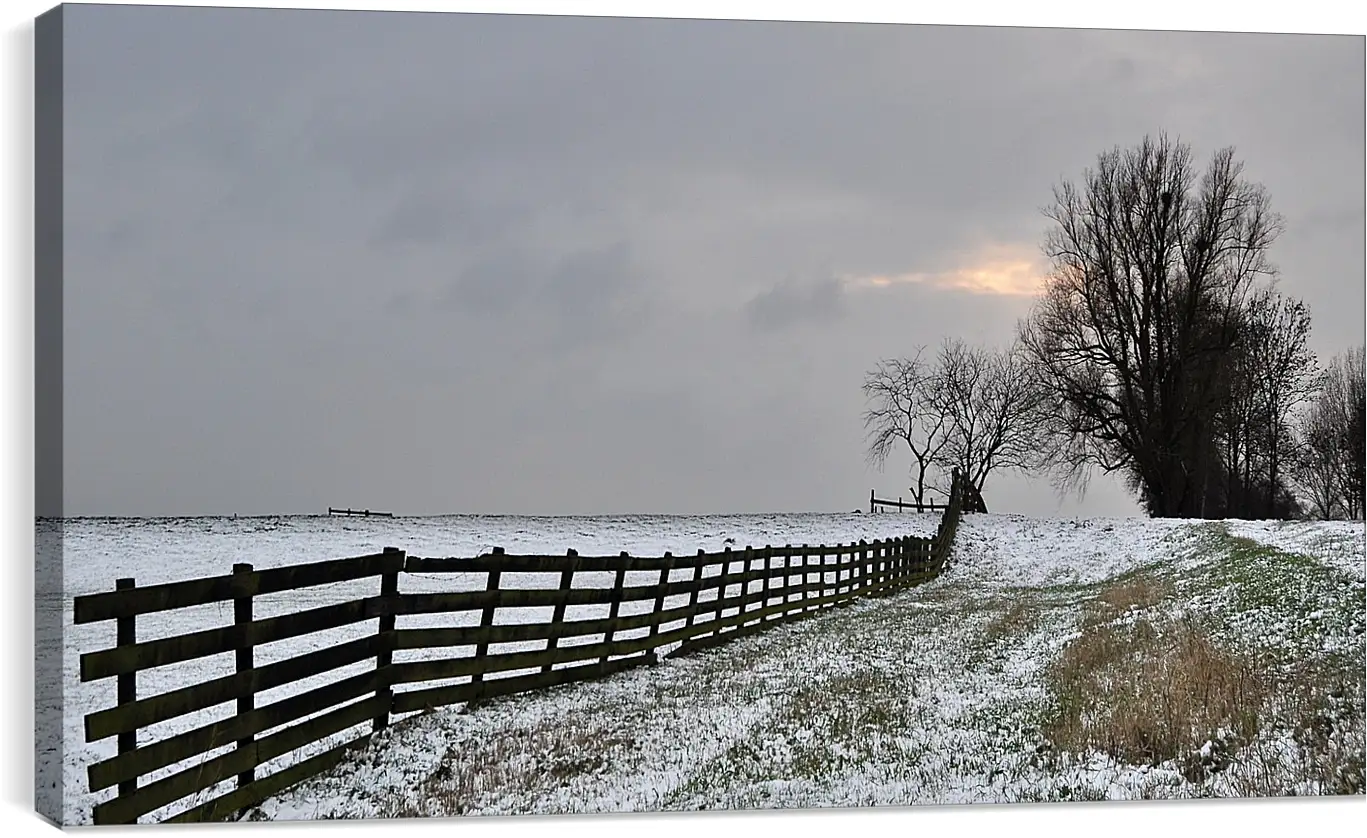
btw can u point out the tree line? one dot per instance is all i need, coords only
(1159, 350)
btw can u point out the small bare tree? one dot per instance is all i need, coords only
(973, 409)
(995, 408)
(1263, 378)
(1279, 329)
(905, 408)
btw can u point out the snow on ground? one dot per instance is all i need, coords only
(97, 551)
(1017, 551)
(1339, 543)
(932, 695)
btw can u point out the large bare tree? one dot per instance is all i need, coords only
(1152, 265)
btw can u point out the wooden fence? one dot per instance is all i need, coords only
(899, 504)
(752, 589)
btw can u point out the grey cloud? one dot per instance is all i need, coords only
(418, 219)
(593, 282)
(583, 298)
(444, 216)
(492, 285)
(789, 304)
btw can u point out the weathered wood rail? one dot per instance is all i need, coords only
(751, 589)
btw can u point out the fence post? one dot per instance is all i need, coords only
(806, 578)
(558, 615)
(747, 567)
(384, 657)
(486, 620)
(697, 588)
(242, 618)
(860, 555)
(722, 585)
(127, 635)
(788, 580)
(840, 577)
(616, 600)
(819, 553)
(764, 584)
(852, 557)
(667, 566)
(820, 570)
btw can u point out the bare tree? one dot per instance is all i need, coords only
(1331, 460)
(995, 409)
(1152, 264)
(971, 409)
(905, 408)
(1264, 378)
(1277, 337)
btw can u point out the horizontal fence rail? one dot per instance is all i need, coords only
(694, 602)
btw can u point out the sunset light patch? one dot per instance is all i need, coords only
(1000, 271)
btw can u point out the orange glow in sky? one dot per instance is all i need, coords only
(1001, 271)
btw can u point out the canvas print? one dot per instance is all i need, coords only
(454, 414)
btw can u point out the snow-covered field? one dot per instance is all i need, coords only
(95, 552)
(936, 694)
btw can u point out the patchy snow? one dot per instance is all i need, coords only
(97, 551)
(1338, 544)
(909, 699)
(1017, 551)
(921, 697)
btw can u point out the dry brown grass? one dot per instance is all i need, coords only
(1018, 617)
(1136, 593)
(1151, 691)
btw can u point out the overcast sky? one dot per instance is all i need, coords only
(446, 263)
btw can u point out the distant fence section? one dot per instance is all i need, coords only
(364, 513)
(875, 503)
(972, 500)
(720, 597)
